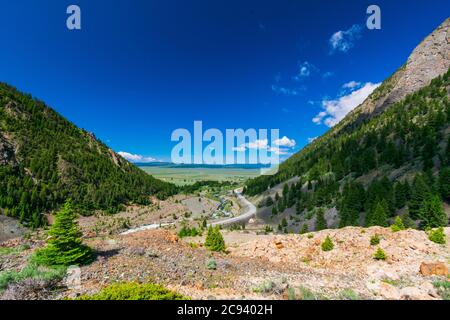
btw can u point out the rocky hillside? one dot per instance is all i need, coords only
(45, 159)
(255, 267)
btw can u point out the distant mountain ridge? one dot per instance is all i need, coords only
(203, 166)
(45, 159)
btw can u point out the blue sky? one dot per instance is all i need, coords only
(137, 70)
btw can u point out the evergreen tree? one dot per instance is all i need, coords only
(321, 223)
(269, 201)
(444, 183)
(214, 240)
(281, 206)
(398, 224)
(304, 229)
(400, 195)
(64, 247)
(378, 216)
(277, 197)
(432, 213)
(420, 192)
(274, 211)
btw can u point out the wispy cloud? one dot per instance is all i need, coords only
(305, 70)
(288, 91)
(343, 41)
(327, 74)
(311, 139)
(285, 142)
(351, 85)
(335, 110)
(136, 157)
(281, 146)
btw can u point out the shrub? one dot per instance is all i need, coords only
(379, 254)
(437, 235)
(443, 288)
(134, 291)
(64, 246)
(398, 225)
(327, 245)
(375, 240)
(214, 240)
(349, 294)
(188, 232)
(264, 287)
(306, 294)
(211, 264)
(268, 229)
(31, 271)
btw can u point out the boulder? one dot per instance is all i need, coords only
(279, 245)
(433, 268)
(413, 293)
(388, 291)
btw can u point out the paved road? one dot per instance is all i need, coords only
(249, 213)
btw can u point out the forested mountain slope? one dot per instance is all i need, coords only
(45, 159)
(391, 149)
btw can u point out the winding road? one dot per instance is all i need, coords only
(249, 213)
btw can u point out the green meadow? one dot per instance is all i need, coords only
(183, 175)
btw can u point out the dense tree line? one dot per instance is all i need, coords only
(371, 169)
(54, 160)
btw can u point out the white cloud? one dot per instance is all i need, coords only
(136, 157)
(305, 70)
(285, 142)
(258, 144)
(280, 146)
(311, 139)
(351, 85)
(318, 118)
(344, 40)
(336, 110)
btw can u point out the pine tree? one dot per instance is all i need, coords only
(420, 192)
(398, 224)
(281, 206)
(378, 217)
(321, 223)
(274, 211)
(269, 201)
(214, 240)
(399, 195)
(64, 246)
(432, 213)
(444, 183)
(304, 229)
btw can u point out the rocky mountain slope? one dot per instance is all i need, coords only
(256, 266)
(430, 59)
(400, 132)
(45, 159)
